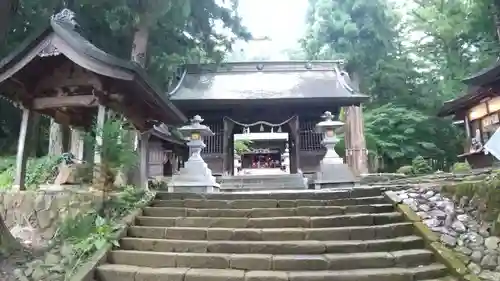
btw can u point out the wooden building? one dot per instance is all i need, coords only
(478, 110)
(60, 74)
(263, 96)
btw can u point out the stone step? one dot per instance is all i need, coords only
(266, 212)
(317, 195)
(114, 272)
(347, 261)
(273, 222)
(265, 203)
(274, 234)
(257, 187)
(447, 278)
(300, 247)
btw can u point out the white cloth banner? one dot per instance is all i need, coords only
(493, 144)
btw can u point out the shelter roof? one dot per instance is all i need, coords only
(485, 76)
(471, 98)
(266, 81)
(57, 43)
(480, 86)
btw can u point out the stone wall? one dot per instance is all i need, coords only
(34, 216)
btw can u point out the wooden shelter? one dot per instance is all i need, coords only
(478, 110)
(59, 73)
(263, 97)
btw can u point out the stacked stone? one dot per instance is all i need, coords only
(459, 228)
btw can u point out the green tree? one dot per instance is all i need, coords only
(242, 146)
(448, 47)
(173, 32)
(373, 38)
(7, 10)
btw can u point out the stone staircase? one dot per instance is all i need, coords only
(307, 236)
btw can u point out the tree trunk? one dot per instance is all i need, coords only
(7, 10)
(140, 44)
(55, 139)
(495, 7)
(138, 55)
(356, 153)
(8, 244)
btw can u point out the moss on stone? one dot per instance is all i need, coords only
(426, 233)
(408, 213)
(471, 277)
(463, 257)
(486, 194)
(392, 197)
(449, 258)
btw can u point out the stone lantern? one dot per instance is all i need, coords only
(195, 176)
(333, 172)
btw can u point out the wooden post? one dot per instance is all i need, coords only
(227, 144)
(101, 119)
(35, 134)
(144, 159)
(294, 145)
(23, 149)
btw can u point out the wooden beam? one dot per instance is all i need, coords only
(65, 101)
(144, 159)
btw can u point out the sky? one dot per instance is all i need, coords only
(282, 21)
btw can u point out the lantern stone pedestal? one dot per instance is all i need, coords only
(195, 176)
(333, 172)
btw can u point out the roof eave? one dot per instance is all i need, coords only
(20, 51)
(485, 76)
(165, 137)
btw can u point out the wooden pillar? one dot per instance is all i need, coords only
(101, 119)
(294, 145)
(231, 153)
(144, 159)
(23, 149)
(467, 127)
(35, 134)
(227, 161)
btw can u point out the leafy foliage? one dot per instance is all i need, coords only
(116, 149)
(179, 32)
(395, 135)
(420, 166)
(84, 233)
(242, 146)
(406, 170)
(409, 61)
(461, 167)
(38, 171)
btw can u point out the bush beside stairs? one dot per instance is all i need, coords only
(336, 236)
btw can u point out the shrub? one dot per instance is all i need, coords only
(38, 171)
(420, 166)
(117, 152)
(407, 170)
(461, 168)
